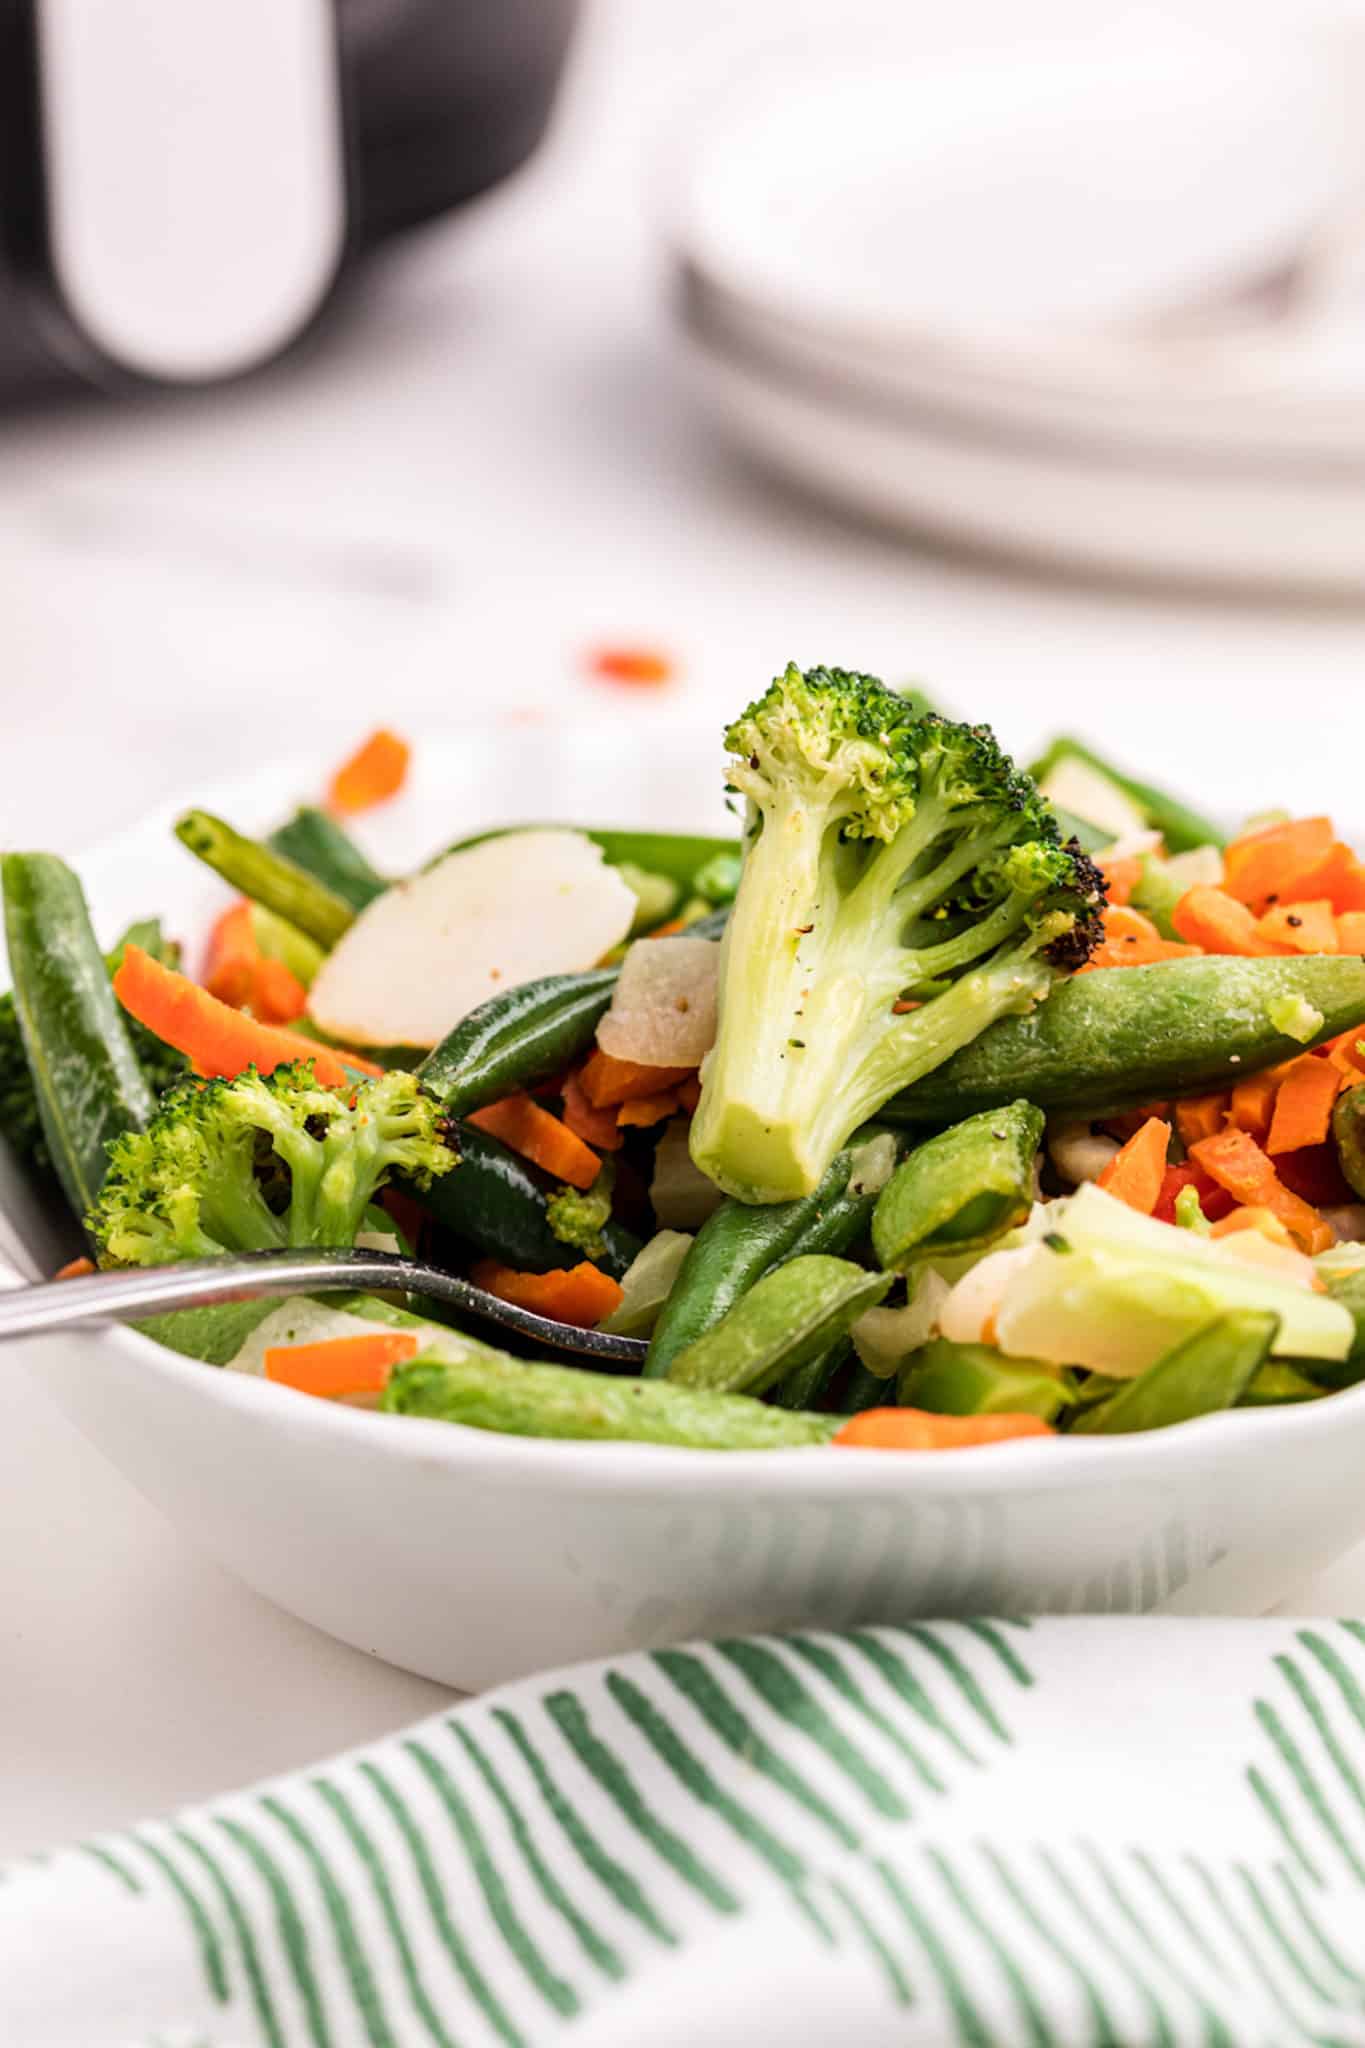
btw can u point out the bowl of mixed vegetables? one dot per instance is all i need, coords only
(1002, 1125)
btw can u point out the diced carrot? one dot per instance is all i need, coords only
(631, 664)
(1237, 1163)
(1347, 1053)
(220, 1040)
(1136, 1174)
(1314, 1174)
(233, 956)
(524, 1127)
(1301, 927)
(915, 1429)
(1340, 877)
(669, 930)
(583, 1295)
(277, 995)
(1121, 877)
(1200, 1116)
(1351, 931)
(1263, 866)
(1213, 1200)
(341, 1365)
(689, 1094)
(595, 1126)
(74, 1269)
(1132, 940)
(1303, 1106)
(902, 1007)
(1264, 1220)
(645, 1110)
(375, 772)
(1212, 919)
(1253, 1104)
(607, 1081)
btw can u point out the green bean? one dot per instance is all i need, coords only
(1123, 1036)
(960, 1190)
(266, 877)
(499, 1203)
(806, 1386)
(857, 1389)
(1210, 1371)
(485, 1390)
(87, 1082)
(971, 1379)
(1348, 1129)
(316, 843)
(790, 1316)
(1180, 827)
(518, 1037)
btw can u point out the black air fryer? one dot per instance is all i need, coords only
(183, 183)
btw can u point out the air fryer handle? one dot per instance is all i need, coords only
(193, 174)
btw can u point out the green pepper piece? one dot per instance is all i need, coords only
(1122, 1036)
(790, 1316)
(971, 1379)
(960, 1190)
(1181, 827)
(1210, 1371)
(314, 841)
(483, 1389)
(1348, 1128)
(266, 877)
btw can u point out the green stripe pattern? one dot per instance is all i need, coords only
(829, 1809)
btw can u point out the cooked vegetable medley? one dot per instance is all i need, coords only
(944, 1105)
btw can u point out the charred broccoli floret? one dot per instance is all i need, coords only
(903, 886)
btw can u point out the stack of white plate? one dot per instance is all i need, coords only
(955, 297)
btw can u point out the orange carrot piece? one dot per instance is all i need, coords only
(1301, 927)
(1340, 877)
(74, 1269)
(1253, 1104)
(1121, 877)
(1303, 1106)
(915, 1429)
(341, 1365)
(220, 1040)
(1264, 1220)
(524, 1127)
(376, 771)
(233, 956)
(631, 664)
(595, 1126)
(1351, 931)
(1237, 1163)
(1135, 1175)
(277, 996)
(583, 1295)
(1264, 865)
(1212, 919)
(1132, 940)
(1201, 1116)
(646, 1110)
(608, 1082)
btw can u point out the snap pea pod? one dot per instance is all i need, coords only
(1210, 1371)
(961, 1189)
(789, 1317)
(485, 1390)
(88, 1084)
(1349, 1290)
(266, 877)
(497, 1202)
(1181, 827)
(971, 1379)
(1348, 1129)
(738, 1243)
(1123, 1036)
(808, 1384)
(860, 1388)
(1278, 1386)
(316, 843)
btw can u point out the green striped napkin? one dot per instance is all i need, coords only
(1114, 1832)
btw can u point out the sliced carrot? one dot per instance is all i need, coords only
(1212, 919)
(1253, 1104)
(375, 772)
(220, 1040)
(1132, 940)
(689, 1094)
(1301, 927)
(1135, 1175)
(1340, 877)
(1200, 1116)
(631, 664)
(1264, 1220)
(1237, 1163)
(233, 956)
(582, 1296)
(277, 996)
(607, 1081)
(915, 1429)
(645, 1110)
(1262, 866)
(1347, 1054)
(1303, 1105)
(523, 1126)
(595, 1126)
(341, 1365)
(1121, 877)
(74, 1269)
(1351, 931)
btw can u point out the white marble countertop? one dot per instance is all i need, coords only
(486, 463)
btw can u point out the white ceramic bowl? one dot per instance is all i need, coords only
(473, 1558)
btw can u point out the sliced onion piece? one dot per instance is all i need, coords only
(663, 1011)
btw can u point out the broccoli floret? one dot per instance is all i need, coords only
(577, 1217)
(257, 1163)
(891, 857)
